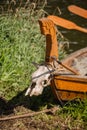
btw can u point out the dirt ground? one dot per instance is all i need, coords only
(40, 122)
(44, 121)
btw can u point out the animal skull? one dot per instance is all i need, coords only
(40, 79)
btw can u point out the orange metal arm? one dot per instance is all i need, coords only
(48, 28)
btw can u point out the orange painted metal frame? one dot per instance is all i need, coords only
(65, 87)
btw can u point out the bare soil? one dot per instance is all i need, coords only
(41, 122)
(44, 121)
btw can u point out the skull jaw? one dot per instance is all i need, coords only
(38, 84)
(35, 91)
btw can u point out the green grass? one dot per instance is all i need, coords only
(74, 114)
(77, 109)
(20, 44)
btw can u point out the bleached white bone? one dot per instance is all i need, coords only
(38, 78)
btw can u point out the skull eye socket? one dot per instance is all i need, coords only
(44, 82)
(33, 85)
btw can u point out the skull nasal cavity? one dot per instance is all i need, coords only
(33, 85)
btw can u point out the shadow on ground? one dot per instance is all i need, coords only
(33, 103)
